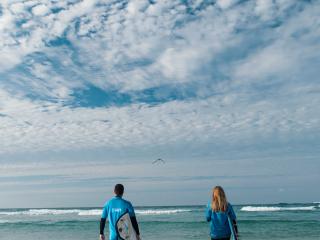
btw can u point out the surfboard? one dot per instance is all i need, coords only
(125, 229)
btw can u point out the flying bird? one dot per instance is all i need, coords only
(159, 160)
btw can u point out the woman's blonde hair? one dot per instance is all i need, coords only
(219, 200)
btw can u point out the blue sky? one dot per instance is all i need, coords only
(91, 92)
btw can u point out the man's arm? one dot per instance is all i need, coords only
(103, 221)
(102, 225)
(133, 218)
(135, 224)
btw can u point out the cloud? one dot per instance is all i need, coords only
(105, 46)
(289, 56)
(40, 10)
(224, 4)
(31, 126)
(92, 91)
(170, 72)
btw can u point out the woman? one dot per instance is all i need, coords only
(217, 213)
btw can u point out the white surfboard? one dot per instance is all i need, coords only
(125, 228)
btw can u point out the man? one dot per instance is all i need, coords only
(113, 210)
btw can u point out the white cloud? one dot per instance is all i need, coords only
(222, 48)
(169, 47)
(265, 9)
(136, 6)
(179, 64)
(291, 56)
(40, 10)
(27, 126)
(225, 3)
(247, 72)
(266, 63)
(17, 7)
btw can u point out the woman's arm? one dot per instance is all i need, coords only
(235, 226)
(208, 213)
(233, 217)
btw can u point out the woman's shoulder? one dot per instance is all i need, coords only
(229, 206)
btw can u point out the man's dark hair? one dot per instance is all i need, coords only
(119, 189)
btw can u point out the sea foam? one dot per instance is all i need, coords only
(38, 212)
(161, 211)
(275, 209)
(89, 212)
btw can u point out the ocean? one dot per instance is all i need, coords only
(271, 221)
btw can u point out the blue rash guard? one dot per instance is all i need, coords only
(113, 210)
(219, 225)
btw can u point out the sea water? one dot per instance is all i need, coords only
(274, 221)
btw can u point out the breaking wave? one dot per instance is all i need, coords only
(89, 212)
(161, 211)
(37, 212)
(276, 209)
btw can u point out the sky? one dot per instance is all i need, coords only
(227, 92)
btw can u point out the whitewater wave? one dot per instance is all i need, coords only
(92, 212)
(96, 212)
(276, 209)
(89, 212)
(317, 203)
(161, 211)
(4, 221)
(37, 212)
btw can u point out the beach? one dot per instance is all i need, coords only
(263, 221)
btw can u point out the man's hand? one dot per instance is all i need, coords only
(138, 237)
(102, 237)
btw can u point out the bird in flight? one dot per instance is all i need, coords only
(159, 160)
